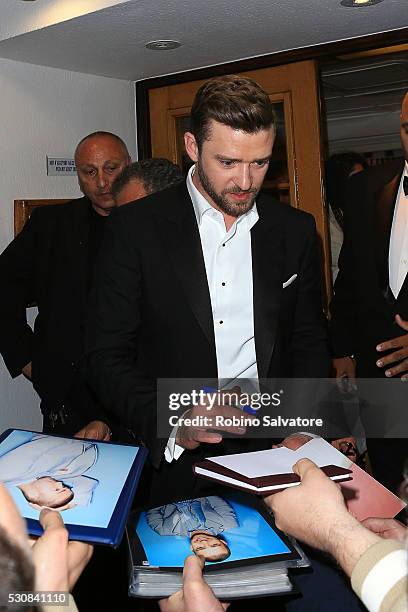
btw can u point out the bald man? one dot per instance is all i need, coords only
(370, 305)
(50, 263)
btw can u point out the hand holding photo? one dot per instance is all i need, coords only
(91, 482)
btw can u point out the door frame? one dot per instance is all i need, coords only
(323, 52)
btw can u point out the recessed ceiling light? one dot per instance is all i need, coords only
(163, 45)
(358, 3)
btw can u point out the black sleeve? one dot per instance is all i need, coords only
(16, 281)
(111, 342)
(310, 342)
(343, 304)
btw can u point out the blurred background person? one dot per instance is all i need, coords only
(339, 168)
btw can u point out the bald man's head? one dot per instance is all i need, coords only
(99, 158)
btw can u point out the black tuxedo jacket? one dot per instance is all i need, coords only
(47, 263)
(363, 306)
(151, 299)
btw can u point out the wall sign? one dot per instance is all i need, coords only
(60, 166)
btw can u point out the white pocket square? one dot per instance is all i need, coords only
(289, 281)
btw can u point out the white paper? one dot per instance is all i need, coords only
(281, 460)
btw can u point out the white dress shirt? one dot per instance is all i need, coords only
(398, 251)
(228, 265)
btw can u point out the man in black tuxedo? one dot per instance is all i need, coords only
(199, 281)
(369, 334)
(50, 263)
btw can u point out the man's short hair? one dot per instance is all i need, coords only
(103, 134)
(235, 101)
(16, 571)
(155, 174)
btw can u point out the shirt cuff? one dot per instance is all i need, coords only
(173, 450)
(380, 576)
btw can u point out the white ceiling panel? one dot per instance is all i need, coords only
(110, 40)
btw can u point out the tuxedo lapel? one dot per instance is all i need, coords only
(384, 201)
(267, 270)
(179, 232)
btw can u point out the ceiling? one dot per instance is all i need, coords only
(108, 38)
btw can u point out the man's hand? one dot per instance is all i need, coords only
(190, 437)
(315, 513)
(401, 354)
(95, 430)
(307, 510)
(58, 562)
(196, 595)
(344, 367)
(27, 371)
(387, 528)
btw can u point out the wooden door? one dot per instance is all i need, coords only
(295, 175)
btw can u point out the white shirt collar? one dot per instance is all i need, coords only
(202, 206)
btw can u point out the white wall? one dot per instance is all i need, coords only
(46, 111)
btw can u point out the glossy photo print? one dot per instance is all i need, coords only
(82, 479)
(219, 528)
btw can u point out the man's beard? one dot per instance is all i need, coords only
(234, 209)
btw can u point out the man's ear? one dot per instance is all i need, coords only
(191, 146)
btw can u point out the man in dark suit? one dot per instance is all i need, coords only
(198, 281)
(201, 281)
(369, 337)
(50, 263)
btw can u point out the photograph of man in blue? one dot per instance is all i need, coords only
(202, 520)
(49, 471)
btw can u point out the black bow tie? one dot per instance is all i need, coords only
(406, 185)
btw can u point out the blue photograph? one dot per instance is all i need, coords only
(217, 528)
(81, 478)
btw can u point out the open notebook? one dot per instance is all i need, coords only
(262, 472)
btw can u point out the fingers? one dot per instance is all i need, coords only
(401, 368)
(401, 322)
(50, 519)
(303, 467)
(398, 342)
(205, 437)
(193, 568)
(373, 524)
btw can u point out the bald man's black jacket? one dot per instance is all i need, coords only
(48, 264)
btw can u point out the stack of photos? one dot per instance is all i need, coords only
(245, 554)
(91, 483)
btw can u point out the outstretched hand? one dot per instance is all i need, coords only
(307, 510)
(196, 595)
(58, 562)
(400, 355)
(218, 420)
